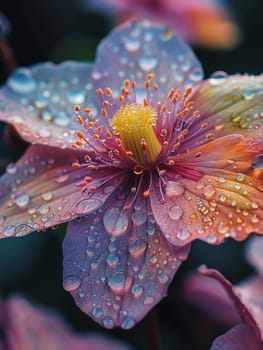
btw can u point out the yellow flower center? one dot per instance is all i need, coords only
(134, 124)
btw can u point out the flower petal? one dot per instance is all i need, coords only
(32, 328)
(240, 337)
(255, 253)
(217, 193)
(136, 49)
(39, 101)
(206, 287)
(41, 190)
(117, 264)
(229, 105)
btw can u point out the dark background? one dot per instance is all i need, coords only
(59, 30)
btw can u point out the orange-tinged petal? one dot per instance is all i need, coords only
(220, 195)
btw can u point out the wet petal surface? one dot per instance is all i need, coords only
(43, 189)
(117, 264)
(217, 193)
(39, 101)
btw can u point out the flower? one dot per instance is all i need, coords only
(240, 307)
(159, 159)
(26, 326)
(207, 23)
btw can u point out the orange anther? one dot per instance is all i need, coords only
(80, 134)
(76, 108)
(121, 98)
(76, 165)
(149, 76)
(108, 91)
(146, 194)
(96, 137)
(187, 92)
(156, 87)
(143, 144)
(105, 103)
(79, 119)
(86, 110)
(127, 83)
(100, 92)
(88, 179)
(147, 84)
(133, 84)
(104, 113)
(108, 133)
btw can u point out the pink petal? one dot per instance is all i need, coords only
(240, 337)
(255, 253)
(229, 105)
(117, 264)
(30, 328)
(209, 296)
(39, 101)
(213, 193)
(139, 48)
(41, 191)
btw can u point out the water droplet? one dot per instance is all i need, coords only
(115, 221)
(147, 63)
(47, 196)
(112, 260)
(40, 103)
(9, 230)
(90, 252)
(173, 189)
(117, 282)
(87, 206)
(139, 218)
(44, 209)
(240, 177)
(61, 119)
(22, 200)
(128, 323)
(218, 78)
(131, 44)
(137, 291)
(183, 234)
(76, 96)
(62, 178)
(46, 115)
(148, 300)
(196, 74)
(21, 81)
(44, 132)
(97, 312)
(175, 212)
(249, 94)
(108, 322)
(209, 191)
(71, 283)
(11, 169)
(163, 278)
(137, 248)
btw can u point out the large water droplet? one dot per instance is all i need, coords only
(112, 260)
(174, 189)
(249, 94)
(117, 282)
(47, 196)
(137, 291)
(115, 221)
(209, 191)
(218, 78)
(44, 209)
(128, 323)
(21, 81)
(61, 119)
(163, 278)
(196, 74)
(9, 230)
(147, 63)
(71, 283)
(11, 169)
(139, 218)
(22, 200)
(137, 248)
(131, 44)
(175, 212)
(108, 322)
(97, 312)
(87, 206)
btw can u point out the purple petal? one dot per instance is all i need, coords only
(39, 101)
(255, 253)
(41, 190)
(136, 49)
(32, 328)
(240, 337)
(117, 264)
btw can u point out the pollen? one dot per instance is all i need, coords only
(134, 124)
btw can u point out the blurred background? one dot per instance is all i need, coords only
(58, 30)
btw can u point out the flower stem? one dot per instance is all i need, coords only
(152, 333)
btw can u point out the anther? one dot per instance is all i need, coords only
(100, 92)
(76, 165)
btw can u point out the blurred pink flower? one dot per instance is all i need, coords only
(26, 327)
(159, 158)
(239, 307)
(201, 22)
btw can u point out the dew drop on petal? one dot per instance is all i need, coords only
(218, 78)
(174, 189)
(44, 133)
(9, 230)
(175, 212)
(71, 283)
(62, 178)
(137, 248)
(118, 283)
(128, 323)
(249, 94)
(112, 260)
(108, 322)
(182, 234)
(87, 206)
(148, 300)
(209, 191)
(11, 169)
(132, 44)
(21, 81)
(116, 221)
(22, 200)
(97, 312)
(163, 278)
(44, 209)
(47, 196)
(76, 96)
(137, 291)
(139, 218)
(147, 63)
(196, 74)
(61, 119)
